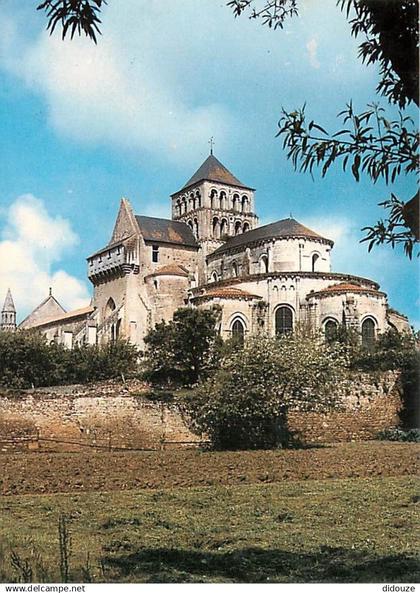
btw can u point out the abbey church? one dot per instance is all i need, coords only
(212, 252)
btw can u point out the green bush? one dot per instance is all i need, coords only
(184, 350)
(26, 359)
(397, 434)
(245, 403)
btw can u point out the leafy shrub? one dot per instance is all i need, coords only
(27, 359)
(246, 402)
(184, 350)
(404, 436)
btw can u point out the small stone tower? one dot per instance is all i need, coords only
(8, 314)
(216, 205)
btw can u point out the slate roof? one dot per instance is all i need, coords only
(162, 230)
(213, 170)
(289, 227)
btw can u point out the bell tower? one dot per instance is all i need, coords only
(215, 204)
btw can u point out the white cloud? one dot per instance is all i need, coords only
(95, 93)
(312, 47)
(31, 242)
(349, 256)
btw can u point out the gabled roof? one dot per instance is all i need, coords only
(9, 306)
(161, 230)
(213, 170)
(83, 312)
(289, 227)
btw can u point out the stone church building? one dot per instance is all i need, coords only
(213, 252)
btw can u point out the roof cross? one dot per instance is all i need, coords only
(211, 142)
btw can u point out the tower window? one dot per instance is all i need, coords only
(155, 254)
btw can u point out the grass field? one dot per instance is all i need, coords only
(336, 530)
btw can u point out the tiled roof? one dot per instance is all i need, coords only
(289, 227)
(162, 230)
(170, 270)
(66, 316)
(227, 292)
(213, 170)
(344, 287)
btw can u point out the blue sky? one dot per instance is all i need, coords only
(84, 125)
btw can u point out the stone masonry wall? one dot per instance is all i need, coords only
(372, 403)
(104, 415)
(112, 414)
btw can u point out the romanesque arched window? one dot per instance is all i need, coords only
(245, 228)
(264, 264)
(315, 258)
(222, 200)
(238, 330)
(236, 202)
(284, 321)
(184, 205)
(223, 227)
(190, 224)
(198, 199)
(214, 277)
(330, 329)
(234, 269)
(238, 227)
(178, 208)
(368, 332)
(213, 196)
(216, 228)
(244, 204)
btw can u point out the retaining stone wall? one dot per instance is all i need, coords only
(112, 414)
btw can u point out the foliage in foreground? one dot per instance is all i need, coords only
(26, 359)
(246, 402)
(183, 350)
(398, 435)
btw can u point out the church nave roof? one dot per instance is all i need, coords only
(288, 227)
